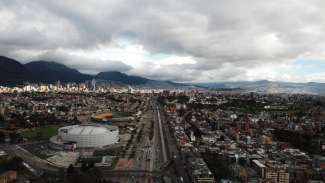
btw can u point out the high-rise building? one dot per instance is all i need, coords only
(166, 92)
(242, 126)
(2, 111)
(93, 84)
(253, 94)
(57, 84)
(238, 126)
(86, 84)
(130, 90)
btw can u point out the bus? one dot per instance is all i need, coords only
(148, 155)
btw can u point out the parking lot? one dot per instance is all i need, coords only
(35, 146)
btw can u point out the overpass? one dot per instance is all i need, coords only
(156, 172)
(165, 164)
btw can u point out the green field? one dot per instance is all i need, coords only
(48, 131)
(108, 152)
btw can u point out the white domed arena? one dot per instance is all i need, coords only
(85, 136)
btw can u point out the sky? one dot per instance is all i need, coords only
(185, 41)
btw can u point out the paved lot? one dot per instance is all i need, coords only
(64, 158)
(35, 145)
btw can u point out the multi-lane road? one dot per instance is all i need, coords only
(171, 149)
(141, 160)
(167, 151)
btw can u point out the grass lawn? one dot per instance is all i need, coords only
(108, 152)
(48, 131)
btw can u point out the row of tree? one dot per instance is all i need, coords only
(14, 164)
(216, 164)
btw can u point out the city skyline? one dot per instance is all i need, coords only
(184, 41)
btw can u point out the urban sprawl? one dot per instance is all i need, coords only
(79, 132)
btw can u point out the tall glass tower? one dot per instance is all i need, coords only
(93, 84)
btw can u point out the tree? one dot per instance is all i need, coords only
(91, 164)
(2, 137)
(13, 115)
(13, 137)
(61, 175)
(181, 112)
(15, 164)
(45, 176)
(39, 136)
(83, 166)
(98, 173)
(75, 119)
(222, 138)
(81, 177)
(70, 170)
(2, 120)
(95, 173)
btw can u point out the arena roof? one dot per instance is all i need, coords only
(88, 130)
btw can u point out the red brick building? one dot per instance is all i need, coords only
(8, 176)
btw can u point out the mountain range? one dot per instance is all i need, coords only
(266, 86)
(14, 73)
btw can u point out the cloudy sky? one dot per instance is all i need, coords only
(182, 41)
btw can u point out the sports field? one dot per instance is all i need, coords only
(108, 115)
(48, 131)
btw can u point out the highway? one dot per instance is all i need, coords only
(162, 138)
(171, 149)
(140, 161)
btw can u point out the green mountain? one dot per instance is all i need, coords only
(14, 73)
(118, 76)
(49, 72)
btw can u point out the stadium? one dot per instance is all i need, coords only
(115, 117)
(85, 136)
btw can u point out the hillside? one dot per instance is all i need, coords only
(14, 73)
(118, 76)
(49, 72)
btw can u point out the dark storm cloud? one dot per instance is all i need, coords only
(84, 65)
(220, 36)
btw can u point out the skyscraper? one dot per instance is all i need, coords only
(86, 84)
(93, 84)
(57, 84)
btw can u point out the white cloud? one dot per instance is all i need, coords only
(183, 41)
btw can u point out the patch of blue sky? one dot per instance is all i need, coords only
(307, 67)
(161, 56)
